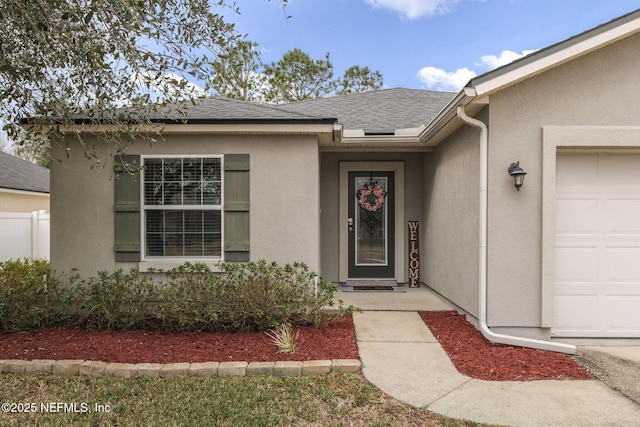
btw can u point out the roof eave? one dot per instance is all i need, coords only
(326, 130)
(25, 191)
(557, 54)
(476, 94)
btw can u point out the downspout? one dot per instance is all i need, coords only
(482, 317)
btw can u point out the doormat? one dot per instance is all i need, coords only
(373, 289)
(374, 283)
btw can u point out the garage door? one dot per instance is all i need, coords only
(597, 283)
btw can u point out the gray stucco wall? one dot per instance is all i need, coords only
(330, 200)
(285, 203)
(597, 89)
(451, 233)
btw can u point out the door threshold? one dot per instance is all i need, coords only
(372, 285)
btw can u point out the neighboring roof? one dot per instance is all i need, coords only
(18, 174)
(377, 112)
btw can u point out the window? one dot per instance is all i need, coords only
(182, 207)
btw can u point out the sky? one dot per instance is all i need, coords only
(420, 44)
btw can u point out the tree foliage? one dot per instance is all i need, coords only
(359, 79)
(237, 72)
(61, 60)
(296, 77)
(34, 151)
(32, 148)
(240, 74)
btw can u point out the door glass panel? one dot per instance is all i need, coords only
(371, 221)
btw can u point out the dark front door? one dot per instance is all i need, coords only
(371, 222)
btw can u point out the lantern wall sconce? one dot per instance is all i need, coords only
(517, 173)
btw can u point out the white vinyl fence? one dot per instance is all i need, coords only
(24, 235)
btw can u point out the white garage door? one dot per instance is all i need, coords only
(597, 285)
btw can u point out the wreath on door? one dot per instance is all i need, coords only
(371, 197)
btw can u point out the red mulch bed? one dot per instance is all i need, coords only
(474, 356)
(470, 352)
(335, 340)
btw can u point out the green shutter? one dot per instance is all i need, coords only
(127, 209)
(236, 207)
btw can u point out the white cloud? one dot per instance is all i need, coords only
(413, 9)
(439, 79)
(506, 56)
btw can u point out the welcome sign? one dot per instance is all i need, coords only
(414, 255)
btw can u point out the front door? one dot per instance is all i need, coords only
(371, 224)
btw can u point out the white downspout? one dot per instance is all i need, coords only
(482, 318)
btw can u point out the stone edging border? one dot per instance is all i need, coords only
(205, 369)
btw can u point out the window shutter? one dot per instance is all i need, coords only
(236, 207)
(127, 210)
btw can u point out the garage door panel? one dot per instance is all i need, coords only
(574, 313)
(597, 285)
(622, 169)
(577, 217)
(621, 217)
(576, 265)
(620, 264)
(579, 170)
(622, 315)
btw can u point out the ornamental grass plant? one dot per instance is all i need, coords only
(284, 338)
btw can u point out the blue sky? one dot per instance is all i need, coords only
(425, 44)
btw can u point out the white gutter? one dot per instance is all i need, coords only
(482, 317)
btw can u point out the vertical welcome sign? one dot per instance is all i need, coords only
(414, 255)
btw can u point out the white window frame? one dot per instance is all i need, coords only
(177, 260)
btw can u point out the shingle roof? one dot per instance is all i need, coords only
(18, 174)
(378, 111)
(381, 111)
(218, 108)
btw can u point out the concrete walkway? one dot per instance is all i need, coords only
(401, 357)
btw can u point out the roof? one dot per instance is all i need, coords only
(377, 112)
(18, 174)
(217, 108)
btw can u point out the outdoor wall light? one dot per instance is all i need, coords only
(517, 173)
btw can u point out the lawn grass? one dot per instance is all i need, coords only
(324, 400)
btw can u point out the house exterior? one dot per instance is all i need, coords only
(335, 183)
(24, 186)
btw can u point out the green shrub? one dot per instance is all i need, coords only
(251, 297)
(30, 295)
(190, 299)
(115, 301)
(260, 296)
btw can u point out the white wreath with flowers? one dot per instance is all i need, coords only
(371, 197)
